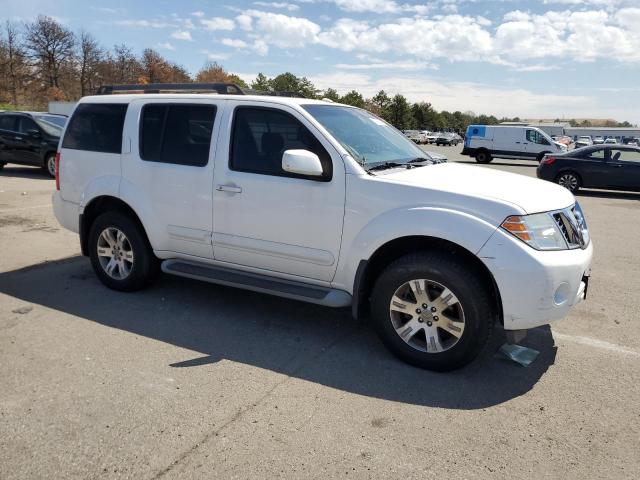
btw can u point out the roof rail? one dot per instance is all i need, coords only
(221, 88)
(251, 91)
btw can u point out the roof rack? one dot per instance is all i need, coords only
(221, 88)
(251, 91)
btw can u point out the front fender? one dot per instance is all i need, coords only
(454, 226)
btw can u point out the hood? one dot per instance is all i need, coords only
(437, 157)
(530, 194)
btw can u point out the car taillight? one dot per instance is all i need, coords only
(58, 171)
(548, 160)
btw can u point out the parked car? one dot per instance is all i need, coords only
(323, 203)
(447, 138)
(610, 141)
(486, 142)
(597, 166)
(563, 139)
(431, 137)
(28, 140)
(583, 141)
(598, 140)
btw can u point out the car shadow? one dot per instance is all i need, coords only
(34, 173)
(609, 194)
(309, 342)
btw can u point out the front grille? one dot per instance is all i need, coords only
(571, 223)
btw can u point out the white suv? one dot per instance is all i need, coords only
(319, 202)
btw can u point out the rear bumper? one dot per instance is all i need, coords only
(536, 288)
(66, 212)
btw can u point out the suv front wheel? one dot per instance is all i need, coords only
(433, 310)
(120, 253)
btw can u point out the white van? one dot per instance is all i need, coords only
(486, 142)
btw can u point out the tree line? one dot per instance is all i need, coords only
(43, 60)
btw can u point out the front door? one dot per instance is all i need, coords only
(264, 217)
(535, 143)
(167, 170)
(624, 169)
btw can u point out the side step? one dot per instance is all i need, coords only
(258, 283)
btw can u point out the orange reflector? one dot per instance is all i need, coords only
(515, 225)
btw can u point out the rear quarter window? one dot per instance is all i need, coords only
(96, 127)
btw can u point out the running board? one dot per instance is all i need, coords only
(258, 283)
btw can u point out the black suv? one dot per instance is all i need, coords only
(30, 138)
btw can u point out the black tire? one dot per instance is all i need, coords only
(463, 281)
(564, 180)
(145, 267)
(51, 157)
(483, 157)
(2, 165)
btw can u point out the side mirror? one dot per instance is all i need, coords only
(302, 162)
(33, 133)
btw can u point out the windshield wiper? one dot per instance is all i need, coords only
(385, 165)
(420, 160)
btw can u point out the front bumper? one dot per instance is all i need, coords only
(536, 287)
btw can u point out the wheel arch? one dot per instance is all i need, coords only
(369, 270)
(98, 206)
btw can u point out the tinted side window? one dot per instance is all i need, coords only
(96, 128)
(260, 137)
(625, 155)
(27, 124)
(179, 134)
(595, 154)
(9, 122)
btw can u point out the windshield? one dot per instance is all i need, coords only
(50, 128)
(370, 140)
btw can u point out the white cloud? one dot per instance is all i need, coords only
(182, 35)
(245, 22)
(282, 5)
(282, 30)
(143, 23)
(166, 46)
(379, 65)
(198, 14)
(379, 6)
(214, 56)
(218, 23)
(234, 43)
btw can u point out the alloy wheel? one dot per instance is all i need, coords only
(427, 315)
(115, 253)
(568, 181)
(51, 165)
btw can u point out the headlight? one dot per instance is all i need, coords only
(539, 231)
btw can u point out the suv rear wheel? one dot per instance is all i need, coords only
(120, 253)
(432, 311)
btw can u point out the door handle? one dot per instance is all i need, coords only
(17, 138)
(517, 142)
(229, 188)
(617, 165)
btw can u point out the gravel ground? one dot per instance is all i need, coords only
(190, 380)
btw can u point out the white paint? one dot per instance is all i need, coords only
(592, 342)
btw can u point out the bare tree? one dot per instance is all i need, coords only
(50, 45)
(90, 61)
(125, 65)
(15, 62)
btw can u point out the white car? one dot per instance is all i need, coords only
(323, 203)
(583, 141)
(486, 142)
(598, 140)
(610, 141)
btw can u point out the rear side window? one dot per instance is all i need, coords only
(96, 128)
(260, 137)
(179, 134)
(9, 122)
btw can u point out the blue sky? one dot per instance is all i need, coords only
(535, 58)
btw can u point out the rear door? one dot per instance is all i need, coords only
(264, 217)
(31, 141)
(167, 173)
(592, 167)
